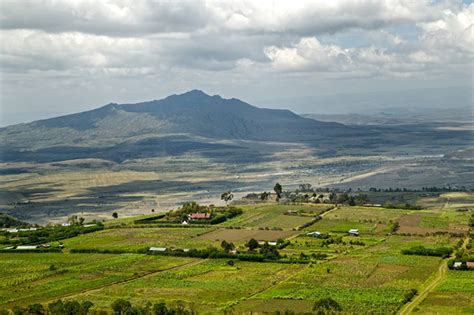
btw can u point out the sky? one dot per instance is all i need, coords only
(59, 57)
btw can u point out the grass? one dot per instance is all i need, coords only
(211, 285)
(242, 235)
(135, 239)
(29, 278)
(273, 216)
(452, 296)
(369, 278)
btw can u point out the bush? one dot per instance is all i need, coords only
(424, 251)
(325, 305)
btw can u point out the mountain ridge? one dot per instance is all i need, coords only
(194, 113)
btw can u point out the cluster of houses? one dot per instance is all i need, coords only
(459, 264)
(30, 247)
(16, 230)
(197, 216)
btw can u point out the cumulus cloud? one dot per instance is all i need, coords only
(237, 40)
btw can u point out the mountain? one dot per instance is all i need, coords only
(175, 124)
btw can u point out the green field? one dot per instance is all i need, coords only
(454, 295)
(135, 239)
(364, 274)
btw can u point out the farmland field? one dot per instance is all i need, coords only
(28, 278)
(363, 274)
(273, 216)
(454, 295)
(134, 239)
(211, 284)
(241, 235)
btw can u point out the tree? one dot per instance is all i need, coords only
(264, 196)
(81, 221)
(252, 244)
(227, 196)
(56, 308)
(72, 220)
(17, 310)
(35, 309)
(85, 306)
(278, 190)
(115, 215)
(160, 309)
(121, 306)
(326, 305)
(227, 246)
(305, 187)
(72, 307)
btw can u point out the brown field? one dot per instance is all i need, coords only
(412, 224)
(234, 235)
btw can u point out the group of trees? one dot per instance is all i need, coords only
(124, 307)
(425, 251)
(49, 234)
(119, 307)
(349, 199)
(59, 307)
(266, 250)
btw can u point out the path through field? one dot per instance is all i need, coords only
(443, 268)
(151, 273)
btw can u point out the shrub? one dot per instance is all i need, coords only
(424, 251)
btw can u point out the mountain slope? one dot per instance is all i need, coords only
(194, 113)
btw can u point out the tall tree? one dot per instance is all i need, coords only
(278, 190)
(227, 196)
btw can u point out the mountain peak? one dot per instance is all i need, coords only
(195, 93)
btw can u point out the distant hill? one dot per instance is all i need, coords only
(7, 221)
(177, 123)
(227, 130)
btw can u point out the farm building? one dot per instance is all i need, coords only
(157, 249)
(457, 264)
(27, 247)
(353, 232)
(470, 264)
(272, 243)
(314, 234)
(199, 216)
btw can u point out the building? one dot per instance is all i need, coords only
(470, 264)
(27, 247)
(457, 264)
(199, 216)
(314, 234)
(157, 249)
(353, 232)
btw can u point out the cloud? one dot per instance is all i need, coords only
(62, 44)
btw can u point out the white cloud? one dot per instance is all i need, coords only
(240, 42)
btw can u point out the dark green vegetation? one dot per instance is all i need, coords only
(264, 259)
